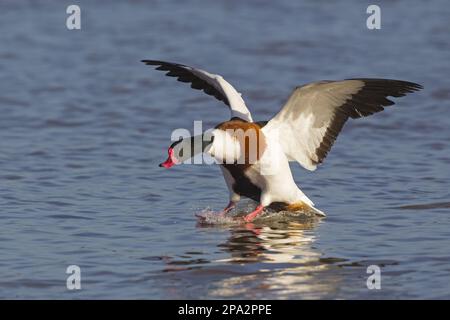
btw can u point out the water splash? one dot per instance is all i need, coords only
(208, 216)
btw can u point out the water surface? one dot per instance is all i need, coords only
(84, 124)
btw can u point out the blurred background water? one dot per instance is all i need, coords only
(84, 124)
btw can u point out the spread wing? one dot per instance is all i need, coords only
(212, 84)
(310, 121)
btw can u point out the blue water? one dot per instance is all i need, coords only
(84, 124)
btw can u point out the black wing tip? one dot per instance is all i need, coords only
(401, 84)
(153, 62)
(163, 65)
(416, 86)
(184, 73)
(407, 85)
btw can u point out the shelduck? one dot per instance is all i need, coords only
(254, 156)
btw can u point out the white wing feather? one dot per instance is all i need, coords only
(212, 84)
(310, 121)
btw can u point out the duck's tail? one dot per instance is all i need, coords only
(306, 207)
(318, 212)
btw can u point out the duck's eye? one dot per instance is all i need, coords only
(178, 151)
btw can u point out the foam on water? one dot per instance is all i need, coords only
(210, 217)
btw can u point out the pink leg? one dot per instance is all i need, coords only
(252, 215)
(230, 206)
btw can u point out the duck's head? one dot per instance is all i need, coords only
(175, 153)
(184, 149)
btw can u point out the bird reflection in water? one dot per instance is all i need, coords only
(280, 259)
(274, 257)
